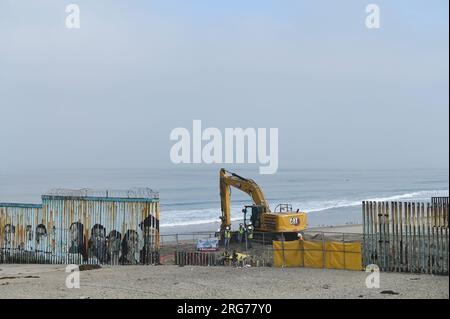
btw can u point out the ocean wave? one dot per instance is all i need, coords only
(198, 222)
(211, 215)
(341, 203)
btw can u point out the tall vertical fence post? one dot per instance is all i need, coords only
(406, 236)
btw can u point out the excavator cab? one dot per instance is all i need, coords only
(283, 208)
(256, 215)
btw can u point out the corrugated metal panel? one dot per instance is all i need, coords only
(76, 227)
(16, 225)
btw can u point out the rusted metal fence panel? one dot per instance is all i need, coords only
(82, 227)
(16, 234)
(439, 200)
(406, 236)
(195, 258)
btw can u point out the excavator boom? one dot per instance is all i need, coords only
(284, 220)
(228, 179)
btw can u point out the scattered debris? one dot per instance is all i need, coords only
(3, 278)
(389, 292)
(14, 277)
(89, 267)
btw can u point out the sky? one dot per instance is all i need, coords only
(108, 95)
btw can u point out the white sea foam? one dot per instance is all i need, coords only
(211, 215)
(341, 203)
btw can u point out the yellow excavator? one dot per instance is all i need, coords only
(282, 220)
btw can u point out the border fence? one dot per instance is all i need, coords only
(406, 236)
(107, 227)
(439, 200)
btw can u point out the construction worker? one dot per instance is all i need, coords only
(241, 233)
(227, 237)
(249, 235)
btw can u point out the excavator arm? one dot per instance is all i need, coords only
(228, 180)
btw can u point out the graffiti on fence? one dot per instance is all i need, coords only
(97, 230)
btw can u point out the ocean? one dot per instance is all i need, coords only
(189, 195)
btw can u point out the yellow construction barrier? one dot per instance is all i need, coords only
(318, 254)
(291, 257)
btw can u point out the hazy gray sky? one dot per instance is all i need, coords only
(108, 94)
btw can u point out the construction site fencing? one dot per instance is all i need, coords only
(330, 250)
(315, 249)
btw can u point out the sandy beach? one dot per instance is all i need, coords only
(48, 281)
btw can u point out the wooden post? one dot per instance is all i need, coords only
(381, 235)
(433, 239)
(441, 238)
(438, 243)
(372, 235)
(387, 238)
(429, 260)
(407, 235)
(394, 235)
(446, 239)
(365, 259)
(396, 249)
(404, 237)
(401, 248)
(414, 241)
(422, 239)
